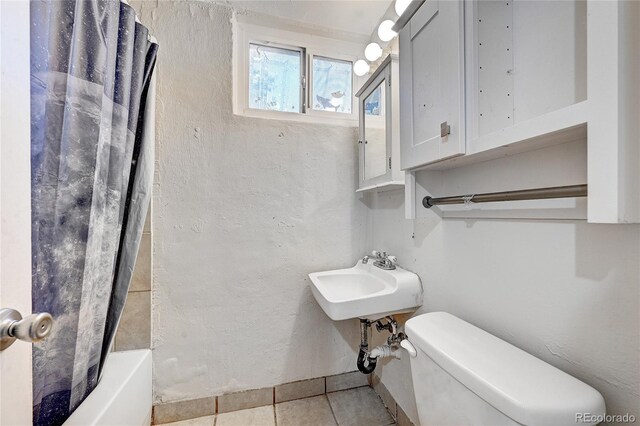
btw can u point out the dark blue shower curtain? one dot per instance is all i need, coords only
(91, 64)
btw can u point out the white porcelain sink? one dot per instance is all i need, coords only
(366, 291)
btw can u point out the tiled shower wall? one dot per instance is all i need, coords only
(134, 330)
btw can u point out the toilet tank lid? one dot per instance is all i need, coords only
(523, 387)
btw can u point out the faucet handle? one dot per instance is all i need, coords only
(392, 259)
(375, 253)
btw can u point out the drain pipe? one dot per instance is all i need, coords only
(364, 348)
(383, 351)
(367, 360)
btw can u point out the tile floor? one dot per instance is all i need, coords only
(353, 407)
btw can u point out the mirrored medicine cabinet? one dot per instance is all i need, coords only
(379, 130)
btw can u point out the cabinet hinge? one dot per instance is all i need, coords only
(389, 163)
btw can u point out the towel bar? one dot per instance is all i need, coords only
(525, 194)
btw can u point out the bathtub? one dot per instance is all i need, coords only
(123, 396)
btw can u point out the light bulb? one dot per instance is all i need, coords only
(372, 52)
(401, 6)
(361, 67)
(385, 32)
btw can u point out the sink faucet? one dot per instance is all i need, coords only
(382, 260)
(375, 254)
(386, 262)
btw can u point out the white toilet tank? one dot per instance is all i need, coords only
(463, 375)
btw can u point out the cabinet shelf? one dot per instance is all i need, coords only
(386, 186)
(564, 125)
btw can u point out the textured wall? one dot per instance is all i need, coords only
(243, 209)
(567, 292)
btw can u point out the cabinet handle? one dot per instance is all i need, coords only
(445, 129)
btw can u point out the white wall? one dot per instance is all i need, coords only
(567, 292)
(244, 209)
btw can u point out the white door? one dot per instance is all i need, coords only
(15, 206)
(432, 84)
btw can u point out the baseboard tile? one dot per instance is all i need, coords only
(235, 401)
(393, 407)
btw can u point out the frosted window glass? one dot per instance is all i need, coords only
(275, 78)
(332, 80)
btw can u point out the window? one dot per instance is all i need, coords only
(275, 78)
(283, 74)
(276, 81)
(332, 80)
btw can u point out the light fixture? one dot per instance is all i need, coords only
(373, 51)
(401, 6)
(384, 30)
(361, 67)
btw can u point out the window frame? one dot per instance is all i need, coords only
(246, 33)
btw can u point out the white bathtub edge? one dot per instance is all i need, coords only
(123, 396)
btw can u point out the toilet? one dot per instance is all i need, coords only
(463, 375)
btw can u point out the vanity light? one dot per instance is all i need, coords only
(373, 51)
(385, 32)
(361, 67)
(401, 6)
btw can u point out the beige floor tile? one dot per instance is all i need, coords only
(246, 399)
(384, 394)
(359, 407)
(261, 416)
(314, 411)
(344, 381)
(299, 390)
(200, 421)
(403, 419)
(184, 410)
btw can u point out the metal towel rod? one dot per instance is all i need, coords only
(525, 194)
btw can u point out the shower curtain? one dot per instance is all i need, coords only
(91, 65)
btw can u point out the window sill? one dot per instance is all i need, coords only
(316, 117)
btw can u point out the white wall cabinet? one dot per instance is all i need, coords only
(432, 84)
(379, 138)
(516, 76)
(613, 85)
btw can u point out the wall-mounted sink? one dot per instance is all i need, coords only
(366, 291)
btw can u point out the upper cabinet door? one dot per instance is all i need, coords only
(432, 84)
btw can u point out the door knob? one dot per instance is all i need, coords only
(31, 328)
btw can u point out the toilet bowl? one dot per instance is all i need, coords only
(463, 375)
